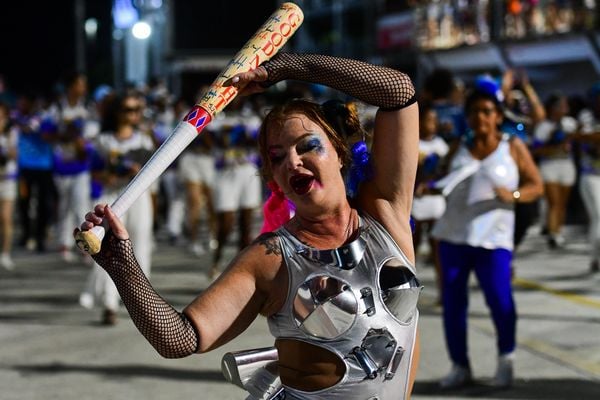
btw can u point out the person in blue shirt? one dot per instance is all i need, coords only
(440, 86)
(35, 163)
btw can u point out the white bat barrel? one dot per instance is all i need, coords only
(182, 136)
(265, 43)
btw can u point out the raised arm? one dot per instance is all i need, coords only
(388, 195)
(396, 138)
(396, 134)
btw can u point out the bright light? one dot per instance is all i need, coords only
(141, 30)
(124, 14)
(91, 27)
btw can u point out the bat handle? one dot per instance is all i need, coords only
(90, 241)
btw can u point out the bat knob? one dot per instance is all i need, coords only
(89, 242)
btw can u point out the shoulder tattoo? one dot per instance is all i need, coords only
(270, 241)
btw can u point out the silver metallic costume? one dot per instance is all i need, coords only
(358, 302)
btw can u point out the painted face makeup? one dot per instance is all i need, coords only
(301, 157)
(306, 145)
(310, 143)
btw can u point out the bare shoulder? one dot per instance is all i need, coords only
(269, 243)
(266, 260)
(520, 152)
(260, 259)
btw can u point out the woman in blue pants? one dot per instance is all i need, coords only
(489, 173)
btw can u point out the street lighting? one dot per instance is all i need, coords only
(91, 28)
(141, 30)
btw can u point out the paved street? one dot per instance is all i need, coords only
(54, 349)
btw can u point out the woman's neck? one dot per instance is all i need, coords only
(72, 99)
(484, 145)
(328, 230)
(124, 132)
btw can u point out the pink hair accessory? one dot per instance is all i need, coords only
(277, 210)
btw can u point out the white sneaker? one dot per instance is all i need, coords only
(86, 300)
(30, 245)
(7, 262)
(197, 249)
(457, 377)
(504, 371)
(67, 256)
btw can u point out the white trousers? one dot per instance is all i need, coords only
(237, 187)
(74, 201)
(589, 187)
(174, 192)
(100, 289)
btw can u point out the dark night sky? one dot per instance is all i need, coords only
(223, 24)
(37, 45)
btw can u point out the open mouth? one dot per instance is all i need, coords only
(301, 183)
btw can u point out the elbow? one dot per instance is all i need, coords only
(171, 353)
(182, 347)
(539, 190)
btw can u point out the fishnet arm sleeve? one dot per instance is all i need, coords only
(168, 330)
(383, 87)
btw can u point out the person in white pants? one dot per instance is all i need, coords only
(589, 168)
(72, 150)
(123, 149)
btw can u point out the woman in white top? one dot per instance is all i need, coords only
(490, 172)
(589, 169)
(552, 145)
(123, 149)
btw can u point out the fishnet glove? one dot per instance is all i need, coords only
(383, 87)
(168, 330)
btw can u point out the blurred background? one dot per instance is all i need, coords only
(117, 42)
(71, 69)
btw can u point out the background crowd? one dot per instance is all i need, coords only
(56, 160)
(60, 155)
(54, 163)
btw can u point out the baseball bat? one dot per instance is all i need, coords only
(263, 45)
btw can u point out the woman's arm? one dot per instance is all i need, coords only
(530, 181)
(396, 133)
(538, 112)
(388, 196)
(216, 316)
(254, 283)
(590, 138)
(395, 159)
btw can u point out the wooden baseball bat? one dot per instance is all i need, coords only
(265, 43)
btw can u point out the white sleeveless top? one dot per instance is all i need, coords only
(474, 214)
